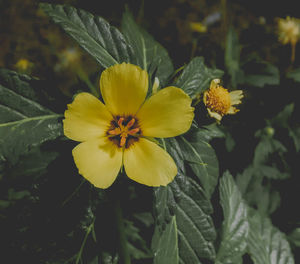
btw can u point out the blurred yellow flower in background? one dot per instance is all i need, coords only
(198, 27)
(121, 131)
(289, 32)
(219, 101)
(24, 66)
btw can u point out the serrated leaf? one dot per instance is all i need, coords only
(294, 133)
(24, 122)
(185, 199)
(294, 74)
(260, 73)
(101, 40)
(232, 57)
(196, 77)
(266, 147)
(167, 248)
(266, 244)
(294, 237)
(150, 55)
(257, 194)
(201, 157)
(235, 226)
(282, 118)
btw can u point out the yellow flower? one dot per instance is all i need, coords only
(24, 65)
(289, 30)
(121, 131)
(198, 27)
(219, 101)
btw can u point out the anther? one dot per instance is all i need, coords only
(120, 122)
(131, 123)
(133, 131)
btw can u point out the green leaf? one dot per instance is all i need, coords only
(24, 122)
(167, 247)
(196, 77)
(235, 227)
(201, 157)
(260, 73)
(266, 244)
(295, 75)
(136, 244)
(294, 133)
(257, 194)
(232, 57)
(266, 147)
(294, 237)
(150, 55)
(104, 42)
(185, 199)
(282, 118)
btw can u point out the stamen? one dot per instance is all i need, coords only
(133, 131)
(115, 131)
(120, 122)
(131, 123)
(122, 141)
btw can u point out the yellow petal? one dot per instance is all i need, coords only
(86, 118)
(232, 110)
(214, 114)
(236, 96)
(147, 163)
(167, 113)
(124, 88)
(99, 161)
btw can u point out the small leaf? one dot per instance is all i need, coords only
(24, 122)
(167, 248)
(196, 77)
(104, 42)
(266, 147)
(150, 55)
(266, 244)
(260, 73)
(235, 227)
(295, 75)
(294, 133)
(294, 237)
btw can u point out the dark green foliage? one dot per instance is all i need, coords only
(149, 54)
(196, 77)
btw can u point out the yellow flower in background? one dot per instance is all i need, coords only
(121, 131)
(198, 27)
(289, 30)
(24, 66)
(219, 101)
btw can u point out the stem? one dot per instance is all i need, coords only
(124, 254)
(83, 76)
(88, 231)
(293, 52)
(73, 193)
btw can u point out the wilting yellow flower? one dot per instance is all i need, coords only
(289, 30)
(121, 131)
(219, 101)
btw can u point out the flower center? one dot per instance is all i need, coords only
(218, 100)
(124, 131)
